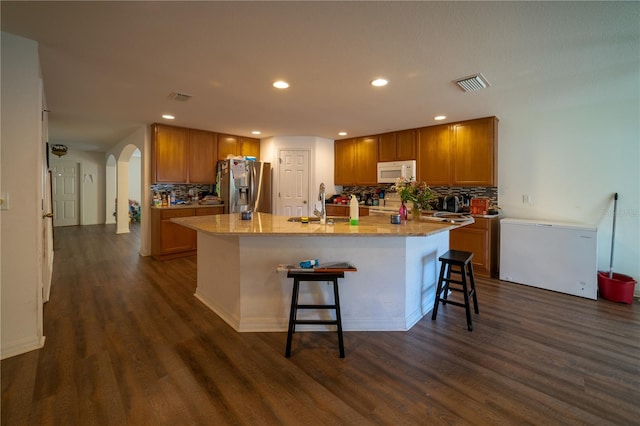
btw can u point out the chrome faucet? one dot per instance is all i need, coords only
(322, 214)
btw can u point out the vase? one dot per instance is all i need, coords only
(416, 212)
(403, 212)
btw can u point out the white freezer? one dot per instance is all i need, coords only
(551, 255)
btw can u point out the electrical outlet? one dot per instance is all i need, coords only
(4, 201)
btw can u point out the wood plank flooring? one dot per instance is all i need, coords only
(129, 344)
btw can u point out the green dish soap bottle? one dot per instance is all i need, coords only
(353, 210)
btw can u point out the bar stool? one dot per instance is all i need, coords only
(461, 260)
(299, 277)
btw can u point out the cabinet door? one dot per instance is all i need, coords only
(475, 239)
(227, 145)
(474, 153)
(206, 211)
(203, 152)
(344, 162)
(366, 162)
(176, 238)
(387, 147)
(250, 147)
(336, 210)
(406, 145)
(170, 148)
(434, 155)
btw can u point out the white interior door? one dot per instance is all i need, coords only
(65, 194)
(293, 183)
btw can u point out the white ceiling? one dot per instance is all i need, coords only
(109, 66)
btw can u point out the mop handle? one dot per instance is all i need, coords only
(613, 233)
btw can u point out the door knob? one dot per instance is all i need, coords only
(304, 202)
(45, 215)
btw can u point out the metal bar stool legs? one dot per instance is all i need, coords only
(293, 314)
(467, 284)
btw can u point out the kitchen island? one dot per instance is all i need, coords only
(393, 288)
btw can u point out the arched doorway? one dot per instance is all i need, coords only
(122, 193)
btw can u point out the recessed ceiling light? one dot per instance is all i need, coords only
(168, 117)
(280, 84)
(439, 117)
(379, 82)
(255, 132)
(342, 133)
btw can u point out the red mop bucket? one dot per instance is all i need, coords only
(612, 286)
(618, 288)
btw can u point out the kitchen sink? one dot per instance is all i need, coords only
(334, 219)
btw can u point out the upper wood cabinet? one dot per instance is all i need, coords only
(459, 154)
(366, 165)
(203, 152)
(344, 162)
(474, 152)
(170, 150)
(227, 145)
(397, 146)
(356, 161)
(434, 155)
(236, 145)
(250, 147)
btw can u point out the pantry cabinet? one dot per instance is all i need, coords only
(397, 146)
(356, 161)
(480, 238)
(459, 154)
(170, 240)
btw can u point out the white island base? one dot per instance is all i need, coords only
(392, 290)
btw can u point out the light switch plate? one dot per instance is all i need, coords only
(4, 201)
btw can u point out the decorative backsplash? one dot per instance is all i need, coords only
(474, 191)
(181, 190)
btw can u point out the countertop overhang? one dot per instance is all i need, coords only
(270, 225)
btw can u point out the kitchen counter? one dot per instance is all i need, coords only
(393, 288)
(264, 224)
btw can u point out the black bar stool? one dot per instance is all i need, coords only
(461, 260)
(299, 277)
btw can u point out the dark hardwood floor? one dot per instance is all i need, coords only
(128, 343)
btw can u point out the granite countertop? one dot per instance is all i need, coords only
(264, 224)
(188, 206)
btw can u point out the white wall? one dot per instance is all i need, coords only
(22, 167)
(570, 159)
(135, 177)
(92, 183)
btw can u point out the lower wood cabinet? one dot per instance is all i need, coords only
(481, 238)
(170, 240)
(342, 210)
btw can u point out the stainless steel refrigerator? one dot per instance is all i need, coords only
(244, 185)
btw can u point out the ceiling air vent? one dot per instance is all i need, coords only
(177, 96)
(472, 83)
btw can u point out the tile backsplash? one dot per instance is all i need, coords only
(181, 190)
(474, 191)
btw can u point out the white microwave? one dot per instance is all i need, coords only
(389, 171)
